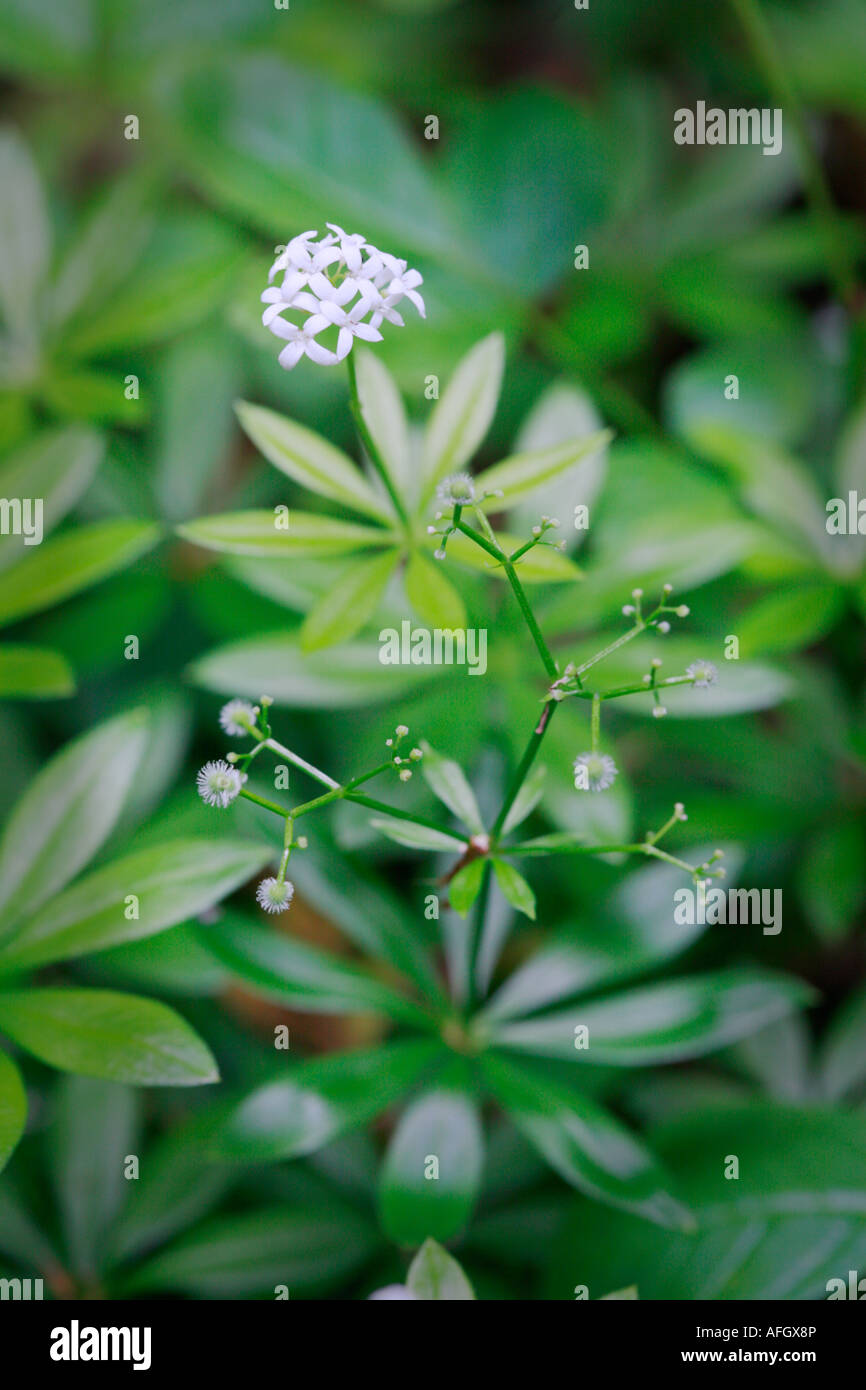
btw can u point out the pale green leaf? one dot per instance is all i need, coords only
(309, 459)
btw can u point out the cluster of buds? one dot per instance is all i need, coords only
(401, 763)
(341, 282)
(547, 523)
(657, 618)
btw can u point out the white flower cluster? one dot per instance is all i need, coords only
(338, 282)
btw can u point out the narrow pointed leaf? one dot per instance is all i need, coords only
(55, 467)
(34, 673)
(442, 1125)
(253, 1252)
(431, 594)
(309, 459)
(13, 1108)
(384, 415)
(71, 562)
(520, 474)
(436, 1277)
(321, 1100)
(168, 883)
(447, 780)
(668, 1022)
(463, 414)
(25, 234)
(300, 976)
(96, 1032)
(514, 887)
(583, 1143)
(350, 604)
(258, 533)
(466, 885)
(67, 812)
(406, 832)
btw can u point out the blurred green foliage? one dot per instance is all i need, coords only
(130, 270)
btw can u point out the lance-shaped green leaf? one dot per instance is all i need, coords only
(176, 1186)
(344, 609)
(188, 266)
(34, 673)
(584, 1143)
(348, 158)
(321, 1100)
(543, 564)
(520, 474)
(385, 416)
(463, 414)
(309, 459)
(531, 792)
(466, 885)
(257, 1251)
(638, 931)
(666, 1022)
(55, 466)
(262, 533)
(441, 1127)
(105, 247)
(344, 678)
(134, 897)
(433, 596)
(300, 976)
(406, 832)
(96, 1032)
(71, 562)
(447, 780)
(514, 887)
(67, 812)
(95, 1128)
(13, 1107)
(436, 1277)
(25, 234)
(789, 1223)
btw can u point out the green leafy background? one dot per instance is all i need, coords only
(152, 1036)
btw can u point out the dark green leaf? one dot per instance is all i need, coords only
(114, 1036)
(416, 1200)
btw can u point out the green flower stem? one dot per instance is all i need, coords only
(381, 806)
(339, 792)
(299, 763)
(641, 689)
(476, 937)
(612, 647)
(262, 801)
(647, 848)
(370, 445)
(522, 770)
(595, 727)
(494, 549)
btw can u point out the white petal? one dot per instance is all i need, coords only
(291, 355)
(317, 353)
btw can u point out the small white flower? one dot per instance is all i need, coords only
(599, 772)
(219, 783)
(393, 1292)
(237, 717)
(659, 712)
(703, 673)
(457, 491)
(341, 282)
(274, 896)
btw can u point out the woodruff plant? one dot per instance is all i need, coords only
(469, 1036)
